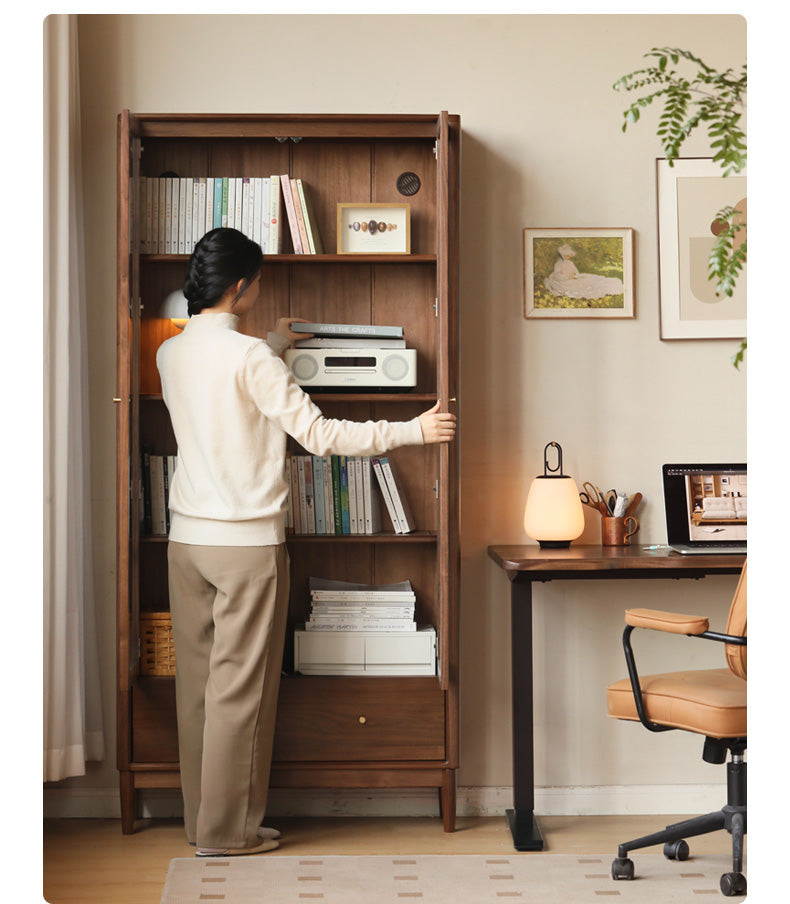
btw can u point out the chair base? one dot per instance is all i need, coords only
(731, 817)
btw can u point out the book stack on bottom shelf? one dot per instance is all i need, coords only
(361, 629)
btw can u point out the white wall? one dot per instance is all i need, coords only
(542, 146)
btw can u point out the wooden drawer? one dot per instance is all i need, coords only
(349, 719)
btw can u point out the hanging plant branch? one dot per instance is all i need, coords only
(701, 95)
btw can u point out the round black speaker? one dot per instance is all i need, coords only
(408, 183)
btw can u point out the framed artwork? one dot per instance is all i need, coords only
(381, 228)
(576, 273)
(689, 194)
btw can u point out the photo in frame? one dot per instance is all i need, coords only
(689, 195)
(376, 228)
(579, 273)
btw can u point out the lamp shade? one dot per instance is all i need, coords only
(174, 308)
(553, 514)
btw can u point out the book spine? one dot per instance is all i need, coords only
(310, 221)
(200, 221)
(350, 330)
(265, 214)
(182, 214)
(295, 506)
(285, 184)
(359, 625)
(219, 191)
(255, 208)
(326, 462)
(275, 216)
(336, 504)
(300, 218)
(208, 223)
(146, 475)
(399, 501)
(238, 202)
(174, 215)
(189, 214)
(352, 494)
(321, 610)
(318, 495)
(309, 494)
(158, 522)
(225, 200)
(345, 516)
(372, 498)
(246, 212)
(385, 493)
(302, 494)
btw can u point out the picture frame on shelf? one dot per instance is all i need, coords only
(373, 228)
(689, 194)
(579, 273)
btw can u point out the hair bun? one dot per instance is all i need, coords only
(220, 259)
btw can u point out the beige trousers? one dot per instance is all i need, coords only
(229, 608)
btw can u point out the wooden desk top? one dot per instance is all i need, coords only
(531, 563)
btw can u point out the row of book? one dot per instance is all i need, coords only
(177, 211)
(335, 494)
(341, 606)
(157, 472)
(339, 494)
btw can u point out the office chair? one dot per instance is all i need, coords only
(710, 702)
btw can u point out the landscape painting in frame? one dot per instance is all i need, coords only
(575, 273)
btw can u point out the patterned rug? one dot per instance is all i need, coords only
(440, 879)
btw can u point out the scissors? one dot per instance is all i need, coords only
(591, 496)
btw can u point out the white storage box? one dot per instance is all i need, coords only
(365, 653)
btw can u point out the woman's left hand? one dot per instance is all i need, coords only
(283, 328)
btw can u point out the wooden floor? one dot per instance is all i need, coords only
(89, 861)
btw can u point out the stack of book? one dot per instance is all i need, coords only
(341, 606)
(341, 494)
(178, 211)
(157, 472)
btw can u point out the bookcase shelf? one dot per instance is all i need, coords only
(357, 158)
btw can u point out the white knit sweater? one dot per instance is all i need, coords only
(232, 400)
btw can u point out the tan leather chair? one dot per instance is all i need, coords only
(709, 702)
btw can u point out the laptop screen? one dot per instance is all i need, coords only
(705, 504)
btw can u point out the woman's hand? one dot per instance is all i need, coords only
(436, 426)
(283, 328)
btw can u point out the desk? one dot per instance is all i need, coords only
(524, 565)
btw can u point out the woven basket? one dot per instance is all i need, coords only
(157, 650)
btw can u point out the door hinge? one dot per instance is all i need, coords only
(436, 149)
(436, 488)
(435, 307)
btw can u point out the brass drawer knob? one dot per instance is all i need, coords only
(362, 720)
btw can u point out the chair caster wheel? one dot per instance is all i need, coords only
(622, 868)
(676, 850)
(733, 884)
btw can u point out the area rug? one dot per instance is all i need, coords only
(440, 879)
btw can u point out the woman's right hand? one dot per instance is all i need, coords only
(437, 426)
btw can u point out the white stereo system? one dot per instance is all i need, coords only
(387, 369)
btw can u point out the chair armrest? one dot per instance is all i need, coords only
(670, 622)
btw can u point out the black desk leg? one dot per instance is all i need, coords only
(523, 825)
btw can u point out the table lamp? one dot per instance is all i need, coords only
(174, 308)
(553, 515)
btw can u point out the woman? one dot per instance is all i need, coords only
(232, 403)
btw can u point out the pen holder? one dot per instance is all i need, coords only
(618, 531)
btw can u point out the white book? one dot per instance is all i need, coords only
(200, 221)
(289, 514)
(328, 342)
(148, 214)
(307, 462)
(385, 493)
(246, 215)
(182, 215)
(231, 221)
(174, 215)
(295, 506)
(318, 494)
(167, 231)
(161, 230)
(329, 496)
(208, 225)
(352, 494)
(399, 500)
(361, 610)
(360, 488)
(359, 625)
(372, 497)
(239, 204)
(325, 589)
(189, 216)
(265, 189)
(275, 216)
(158, 516)
(255, 205)
(153, 238)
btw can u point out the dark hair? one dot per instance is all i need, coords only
(220, 259)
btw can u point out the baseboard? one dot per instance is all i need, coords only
(600, 800)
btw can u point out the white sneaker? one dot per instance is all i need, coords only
(268, 845)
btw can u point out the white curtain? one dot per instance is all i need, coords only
(73, 731)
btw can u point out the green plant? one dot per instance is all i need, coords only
(694, 94)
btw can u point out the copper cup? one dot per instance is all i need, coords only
(618, 531)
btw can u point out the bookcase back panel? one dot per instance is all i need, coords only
(184, 157)
(264, 157)
(331, 293)
(154, 596)
(390, 161)
(156, 431)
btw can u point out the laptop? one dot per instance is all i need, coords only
(705, 507)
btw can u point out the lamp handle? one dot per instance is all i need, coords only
(546, 467)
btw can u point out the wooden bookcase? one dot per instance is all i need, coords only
(332, 732)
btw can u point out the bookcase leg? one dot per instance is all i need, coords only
(447, 800)
(128, 803)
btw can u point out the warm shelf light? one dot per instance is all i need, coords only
(174, 308)
(554, 514)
